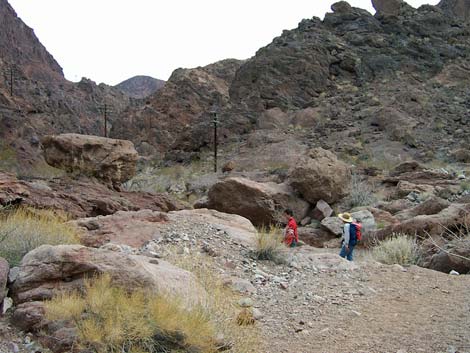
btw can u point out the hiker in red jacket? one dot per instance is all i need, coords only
(291, 237)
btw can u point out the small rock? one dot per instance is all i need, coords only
(257, 314)
(242, 285)
(399, 268)
(295, 265)
(356, 313)
(13, 347)
(461, 177)
(454, 273)
(7, 304)
(13, 275)
(284, 285)
(245, 302)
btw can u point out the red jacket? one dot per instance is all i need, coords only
(291, 232)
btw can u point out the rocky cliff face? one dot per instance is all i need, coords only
(140, 86)
(358, 81)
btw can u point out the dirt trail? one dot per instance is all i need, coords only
(391, 311)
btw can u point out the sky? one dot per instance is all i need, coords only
(112, 40)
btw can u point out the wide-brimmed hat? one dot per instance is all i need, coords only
(346, 217)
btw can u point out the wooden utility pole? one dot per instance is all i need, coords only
(104, 109)
(11, 72)
(215, 122)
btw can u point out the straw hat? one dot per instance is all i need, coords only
(345, 217)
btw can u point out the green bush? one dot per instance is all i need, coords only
(25, 229)
(400, 249)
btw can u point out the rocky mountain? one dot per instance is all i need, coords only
(36, 99)
(355, 82)
(140, 86)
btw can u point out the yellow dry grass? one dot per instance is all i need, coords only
(222, 304)
(109, 319)
(25, 229)
(269, 244)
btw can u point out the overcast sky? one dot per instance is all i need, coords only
(112, 40)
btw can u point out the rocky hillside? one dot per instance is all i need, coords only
(36, 99)
(140, 86)
(354, 82)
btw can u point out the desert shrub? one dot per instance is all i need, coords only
(24, 229)
(269, 245)
(361, 194)
(401, 249)
(110, 319)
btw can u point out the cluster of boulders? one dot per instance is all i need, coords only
(316, 179)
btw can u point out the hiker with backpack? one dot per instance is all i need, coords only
(291, 237)
(351, 235)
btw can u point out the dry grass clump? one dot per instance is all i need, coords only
(222, 305)
(269, 244)
(245, 317)
(110, 319)
(401, 249)
(25, 229)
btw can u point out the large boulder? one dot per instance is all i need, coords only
(430, 206)
(316, 237)
(452, 217)
(138, 228)
(333, 224)
(390, 7)
(321, 176)
(396, 206)
(48, 270)
(261, 203)
(236, 227)
(406, 167)
(132, 228)
(453, 256)
(113, 161)
(321, 211)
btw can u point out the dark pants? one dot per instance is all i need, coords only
(347, 253)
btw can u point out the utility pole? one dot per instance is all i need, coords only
(215, 121)
(104, 109)
(11, 72)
